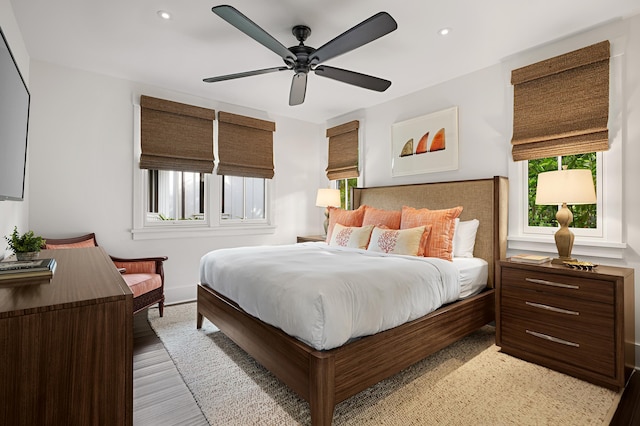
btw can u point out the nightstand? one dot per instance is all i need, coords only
(577, 322)
(311, 238)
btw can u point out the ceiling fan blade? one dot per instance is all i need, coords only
(352, 77)
(368, 30)
(250, 28)
(243, 74)
(298, 89)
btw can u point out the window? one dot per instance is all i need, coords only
(175, 196)
(345, 185)
(542, 216)
(193, 204)
(243, 199)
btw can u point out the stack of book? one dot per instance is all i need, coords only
(25, 272)
(530, 258)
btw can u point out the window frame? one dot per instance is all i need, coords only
(596, 232)
(608, 244)
(244, 220)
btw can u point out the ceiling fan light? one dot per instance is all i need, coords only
(444, 31)
(164, 14)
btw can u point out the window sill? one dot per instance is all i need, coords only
(582, 246)
(157, 233)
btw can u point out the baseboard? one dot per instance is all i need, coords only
(183, 294)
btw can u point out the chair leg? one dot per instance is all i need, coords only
(161, 308)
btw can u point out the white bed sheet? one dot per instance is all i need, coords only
(473, 274)
(324, 295)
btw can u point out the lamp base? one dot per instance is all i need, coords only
(561, 260)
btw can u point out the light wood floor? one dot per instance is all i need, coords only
(160, 396)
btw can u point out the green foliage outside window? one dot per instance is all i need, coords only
(584, 216)
(345, 186)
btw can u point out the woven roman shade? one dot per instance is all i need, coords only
(561, 105)
(245, 146)
(343, 151)
(176, 136)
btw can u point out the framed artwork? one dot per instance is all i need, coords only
(425, 144)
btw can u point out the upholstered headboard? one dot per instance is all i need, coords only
(482, 199)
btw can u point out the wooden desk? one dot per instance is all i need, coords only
(66, 348)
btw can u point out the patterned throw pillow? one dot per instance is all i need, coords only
(396, 241)
(351, 236)
(382, 218)
(440, 240)
(345, 218)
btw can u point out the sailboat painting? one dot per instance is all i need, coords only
(436, 149)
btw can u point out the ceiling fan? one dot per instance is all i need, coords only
(302, 59)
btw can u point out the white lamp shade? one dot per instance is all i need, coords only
(328, 197)
(571, 186)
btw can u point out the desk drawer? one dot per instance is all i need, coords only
(581, 316)
(557, 284)
(587, 351)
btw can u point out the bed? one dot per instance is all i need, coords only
(327, 377)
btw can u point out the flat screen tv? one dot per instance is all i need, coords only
(14, 124)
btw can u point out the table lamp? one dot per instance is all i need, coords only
(327, 198)
(566, 186)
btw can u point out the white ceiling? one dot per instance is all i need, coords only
(127, 39)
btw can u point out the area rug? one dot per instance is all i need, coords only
(468, 383)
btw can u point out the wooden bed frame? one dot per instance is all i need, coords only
(325, 378)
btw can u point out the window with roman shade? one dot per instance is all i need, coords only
(343, 151)
(561, 105)
(245, 146)
(175, 136)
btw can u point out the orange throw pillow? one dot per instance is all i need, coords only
(440, 240)
(389, 219)
(344, 218)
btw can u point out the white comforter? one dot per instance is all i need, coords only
(325, 295)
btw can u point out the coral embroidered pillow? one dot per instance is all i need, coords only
(351, 236)
(440, 240)
(396, 241)
(382, 218)
(345, 218)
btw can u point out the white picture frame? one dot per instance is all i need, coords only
(425, 144)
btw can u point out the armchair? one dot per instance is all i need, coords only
(144, 276)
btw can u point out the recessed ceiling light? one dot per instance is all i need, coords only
(444, 31)
(164, 14)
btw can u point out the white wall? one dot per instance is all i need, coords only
(14, 213)
(82, 175)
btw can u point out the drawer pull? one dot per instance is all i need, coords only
(553, 339)
(551, 283)
(552, 308)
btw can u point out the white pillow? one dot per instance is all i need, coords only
(351, 236)
(464, 237)
(397, 241)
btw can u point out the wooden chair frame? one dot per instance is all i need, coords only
(143, 301)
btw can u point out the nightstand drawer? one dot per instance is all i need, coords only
(558, 284)
(579, 315)
(590, 352)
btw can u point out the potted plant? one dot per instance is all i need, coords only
(26, 246)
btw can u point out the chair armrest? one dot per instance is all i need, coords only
(152, 265)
